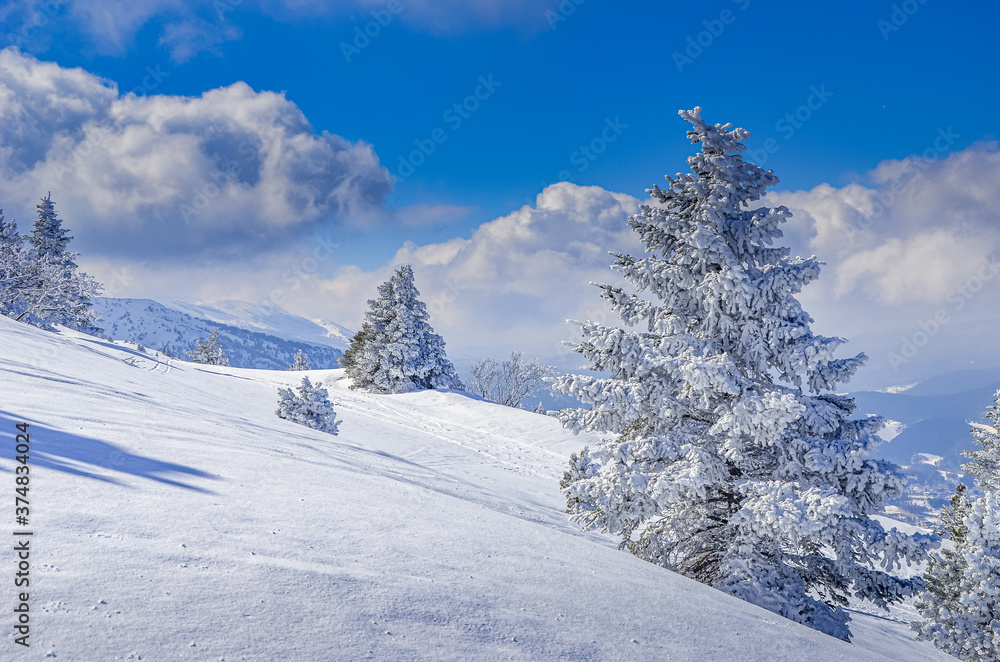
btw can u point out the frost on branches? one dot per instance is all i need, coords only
(961, 606)
(40, 283)
(308, 405)
(396, 350)
(300, 361)
(509, 382)
(729, 460)
(209, 351)
(985, 464)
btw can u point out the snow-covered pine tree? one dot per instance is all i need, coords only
(14, 260)
(985, 464)
(980, 586)
(57, 292)
(310, 406)
(940, 602)
(43, 288)
(209, 351)
(400, 352)
(48, 237)
(961, 606)
(300, 361)
(729, 460)
(349, 359)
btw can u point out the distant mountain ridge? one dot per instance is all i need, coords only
(935, 416)
(271, 320)
(249, 337)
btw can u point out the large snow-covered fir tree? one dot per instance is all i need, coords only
(399, 351)
(308, 405)
(209, 351)
(961, 606)
(940, 603)
(729, 460)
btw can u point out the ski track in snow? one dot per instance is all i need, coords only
(177, 518)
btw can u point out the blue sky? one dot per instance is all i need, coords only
(828, 92)
(560, 82)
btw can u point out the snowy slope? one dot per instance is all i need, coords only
(177, 518)
(153, 325)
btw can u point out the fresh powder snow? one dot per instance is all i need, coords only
(175, 517)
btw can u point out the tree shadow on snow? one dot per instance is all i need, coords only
(74, 454)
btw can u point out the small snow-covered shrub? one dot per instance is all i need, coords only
(308, 405)
(209, 351)
(300, 362)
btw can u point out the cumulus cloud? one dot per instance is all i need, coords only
(163, 175)
(512, 283)
(914, 233)
(517, 278)
(917, 243)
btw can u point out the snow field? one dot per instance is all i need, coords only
(177, 518)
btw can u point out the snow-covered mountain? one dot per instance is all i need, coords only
(271, 320)
(250, 336)
(934, 418)
(176, 517)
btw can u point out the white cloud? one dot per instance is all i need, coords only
(916, 245)
(513, 282)
(517, 278)
(909, 236)
(154, 175)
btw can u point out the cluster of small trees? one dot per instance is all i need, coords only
(509, 382)
(961, 606)
(40, 283)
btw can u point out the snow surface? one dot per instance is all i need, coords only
(177, 518)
